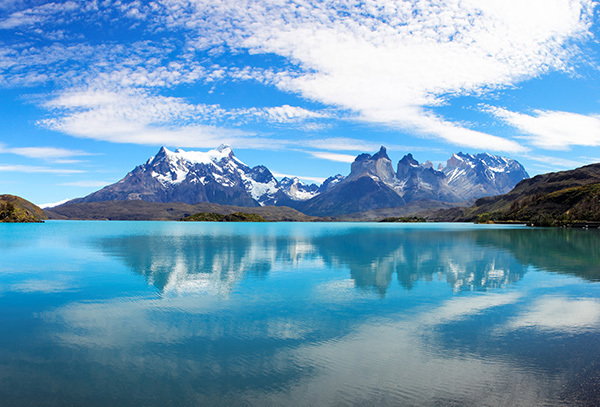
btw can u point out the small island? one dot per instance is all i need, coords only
(404, 219)
(217, 217)
(14, 209)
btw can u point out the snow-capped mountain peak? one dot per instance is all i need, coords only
(218, 176)
(297, 190)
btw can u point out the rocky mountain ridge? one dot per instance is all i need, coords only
(373, 184)
(218, 176)
(553, 199)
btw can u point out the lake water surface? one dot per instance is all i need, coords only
(297, 314)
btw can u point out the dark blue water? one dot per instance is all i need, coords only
(297, 314)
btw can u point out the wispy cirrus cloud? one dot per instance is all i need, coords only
(302, 177)
(552, 129)
(140, 117)
(35, 169)
(54, 154)
(565, 163)
(325, 155)
(388, 62)
(36, 15)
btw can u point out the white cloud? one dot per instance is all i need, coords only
(556, 161)
(286, 114)
(53, 204)
(137, 117)
(343, 158)
(47, 153)
(553, 129)
(318, 180)
(34, 169)
(390, 60)
(140, 117)
(35, 15)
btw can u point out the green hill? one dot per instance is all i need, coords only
(551, 199)
(16, 209)
(140, 210)
(216, 217)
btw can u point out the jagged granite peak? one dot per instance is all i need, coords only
(372, 183)
(475, 176)
(421, 181)
(260, 173)
(377, 166)
(382, 153)
(352, 195)
(405, 164)
(368, 186)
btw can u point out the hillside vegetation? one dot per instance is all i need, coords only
(140, 210)
(553, 199)
(14, 209)
(217, 217)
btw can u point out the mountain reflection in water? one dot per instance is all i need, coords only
(468, 260)
(165, 313)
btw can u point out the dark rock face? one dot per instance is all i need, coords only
(378, 166)
(352, 195)
(420, 181)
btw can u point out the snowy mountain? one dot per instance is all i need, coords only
(373, 184)
(216, 176)
(476, 176)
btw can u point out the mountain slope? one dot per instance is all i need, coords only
(14, 209)
(475, 176)
(367, 187)
(140, 210)
(420, 181)
(216, 176)
(358, 195)
(372, 183)
(553, 198)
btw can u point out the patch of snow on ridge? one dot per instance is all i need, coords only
(299, 195)
(199, 157)
(54, 204)
(257, 189)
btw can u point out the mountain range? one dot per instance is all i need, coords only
(218, 176)
(553, 199)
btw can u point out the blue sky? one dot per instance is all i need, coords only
(90, 89)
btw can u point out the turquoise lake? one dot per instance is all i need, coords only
(298, 314)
